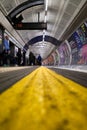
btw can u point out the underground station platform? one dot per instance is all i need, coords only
(42, 98)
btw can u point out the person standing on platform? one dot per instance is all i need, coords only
(31, 59)
(19, 56)
(6, 43)
(39, 59)
(6, 52)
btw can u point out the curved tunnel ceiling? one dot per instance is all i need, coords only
(23, 6)
(60, 15)
(47, 38)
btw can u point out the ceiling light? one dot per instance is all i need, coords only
(45, 19)
(46, 5)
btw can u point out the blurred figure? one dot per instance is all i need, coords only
(6, 52)
(6, 57)
(39, 60)
(19, 55)
(6, 43)
(24, 58)
(31, 59)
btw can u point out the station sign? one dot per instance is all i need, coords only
(30, 26)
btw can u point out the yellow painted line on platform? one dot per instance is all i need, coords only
(44, 100)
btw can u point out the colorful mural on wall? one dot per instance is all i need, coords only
(74, 52)
(83, 55)
(56, 57)
(64, 54)
(0, 40)
(49, 60)
(78, 44)
(74, 49)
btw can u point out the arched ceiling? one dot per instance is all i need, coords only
(58, 14)
(37, 46)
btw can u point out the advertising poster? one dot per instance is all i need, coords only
(82, 52)
(74, 48)
(0, 40)
(83, 55)
(1, 46)
(77, 40)
(78, 44)
(56, 57)
(82, 32)
(45, 62)
(50, 60)
(64, 54)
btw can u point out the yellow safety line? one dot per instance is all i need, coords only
(44, 100)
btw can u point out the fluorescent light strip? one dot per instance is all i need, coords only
(45, 19)
(46, 5)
